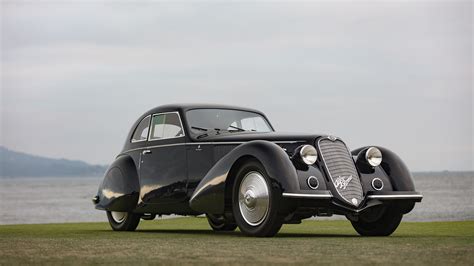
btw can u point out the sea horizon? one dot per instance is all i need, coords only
(447, 195)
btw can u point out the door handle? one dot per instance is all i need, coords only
(146, 152)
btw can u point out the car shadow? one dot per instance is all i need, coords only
(185, 232)
(238, 234)
(318, 235)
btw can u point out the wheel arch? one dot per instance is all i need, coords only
(210, 194)
(119, 190)
(392, 165)
(229, 182)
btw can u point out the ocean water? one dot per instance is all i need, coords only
(447, 197)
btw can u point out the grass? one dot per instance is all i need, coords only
(190, 241)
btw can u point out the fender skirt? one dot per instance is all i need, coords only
(209, 196)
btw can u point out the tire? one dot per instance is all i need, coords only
(123, 221)
(384, 224)
(219, 224)
(255, 201)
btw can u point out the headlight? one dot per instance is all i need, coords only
(373, 156)
(308, 154)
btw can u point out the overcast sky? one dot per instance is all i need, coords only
(76, 75)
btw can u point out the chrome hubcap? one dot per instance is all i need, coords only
(119, 216)
(254, 199)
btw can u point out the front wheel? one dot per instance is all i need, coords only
(382, 224)
(255, 201)
(123, 221)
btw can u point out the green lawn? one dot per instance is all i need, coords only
(190, 240)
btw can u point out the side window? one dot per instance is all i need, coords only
(165, 126)
(141, 132)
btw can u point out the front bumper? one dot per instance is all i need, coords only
(395, 195)
(323, 194)
(380, 195)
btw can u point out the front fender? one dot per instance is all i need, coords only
(120, 188)
(392, 166)
(209, 196)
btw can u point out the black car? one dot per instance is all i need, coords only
(229, 164)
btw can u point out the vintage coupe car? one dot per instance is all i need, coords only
(229, 164)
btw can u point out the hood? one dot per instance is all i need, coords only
(269, 136)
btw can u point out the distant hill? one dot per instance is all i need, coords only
(18, 164)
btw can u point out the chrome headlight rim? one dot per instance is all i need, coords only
(308, 154)
(373, 156)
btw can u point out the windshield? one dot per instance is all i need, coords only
(204, 120)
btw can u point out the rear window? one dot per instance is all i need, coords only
(141, 132)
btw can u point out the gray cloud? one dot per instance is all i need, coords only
(75, 76)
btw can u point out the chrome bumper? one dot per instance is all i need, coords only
(380, 195)
(396, 195)
(325, 194)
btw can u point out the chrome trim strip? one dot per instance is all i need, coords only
(299, 195)
(413, 196)
(215, 143)
(152, 147)
(199, 143)
(240, 142)
(164, 113)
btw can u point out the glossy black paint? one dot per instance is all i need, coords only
(200, 159)
(191, 176)
(392, 170)
(303, 176)
(209, 195)
(120, 187)
(162, 180)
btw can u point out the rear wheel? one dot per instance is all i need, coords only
(219, 223)
(123, 221)
(255, 201)
(383, 223)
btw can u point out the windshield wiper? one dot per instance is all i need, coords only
(238, 128)
(217, 130)
(199, 128)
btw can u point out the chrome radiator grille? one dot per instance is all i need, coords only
(341, 169)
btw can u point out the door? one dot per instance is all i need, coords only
(163, 175)
(200, 161)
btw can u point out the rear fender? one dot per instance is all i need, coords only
(120, 187)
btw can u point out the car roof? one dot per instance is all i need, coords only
(183, 107)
